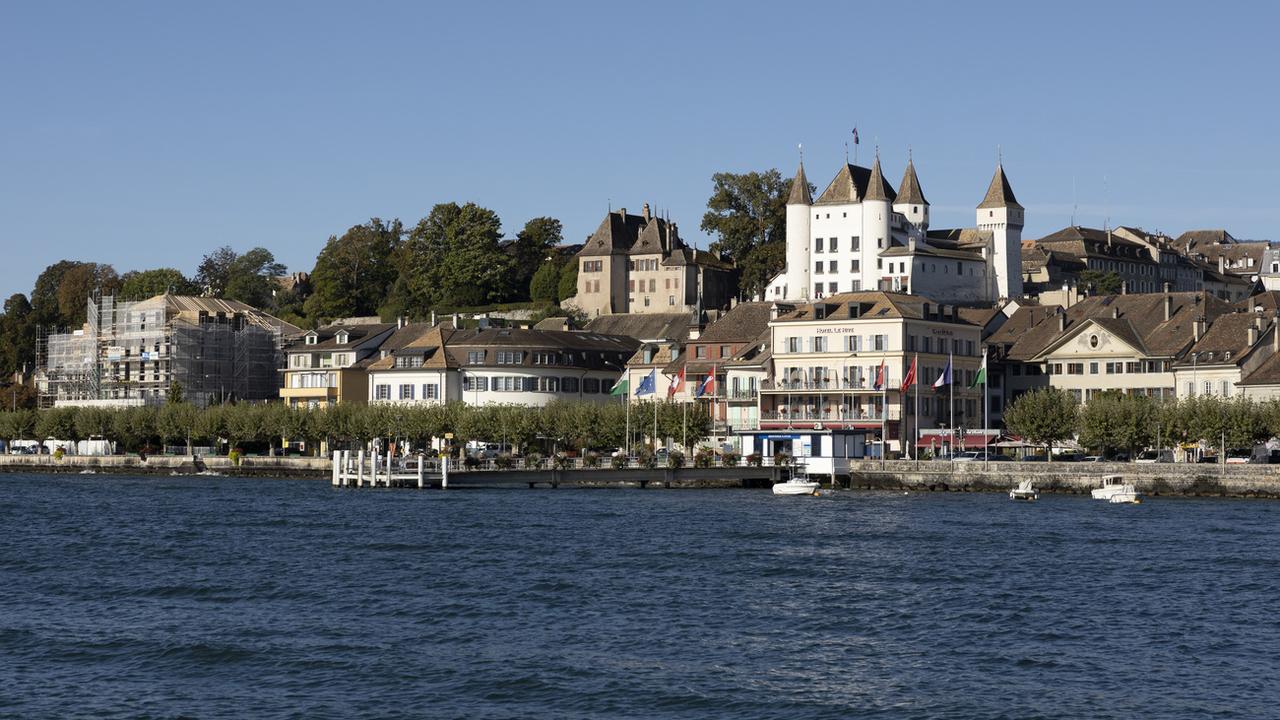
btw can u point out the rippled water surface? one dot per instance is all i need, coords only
(225, 598)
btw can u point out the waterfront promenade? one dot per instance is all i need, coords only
(1205, 480)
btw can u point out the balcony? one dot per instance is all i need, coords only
(749, 394)
(831, 385)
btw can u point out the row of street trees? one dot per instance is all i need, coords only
(568, 425)
(1114, 422)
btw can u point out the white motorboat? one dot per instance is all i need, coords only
(796, 486)
(1115, 490)
(1024, 491)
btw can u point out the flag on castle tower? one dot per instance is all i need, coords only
(855, 134)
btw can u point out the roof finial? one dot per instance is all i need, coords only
(999, 155)
(909, 158)
(846, 152)
(801, 146)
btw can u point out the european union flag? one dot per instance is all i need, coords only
(648, 385)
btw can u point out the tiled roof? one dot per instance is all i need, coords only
(1022, 320)
(646, 326)
(327, 336)
(1228, 334)
(616, 234)
(877, 187)
(1000, 193)
(870, 304)
(848, 186)
(744, 322)
(909, 192)
(800, 189)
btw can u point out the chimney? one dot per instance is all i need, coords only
(1253, 335)
(1115, 313)
(911, 244)
(773, 311)
(400, 322)
(1167, 287)
(1275, 333)
(1198, 328)
(1222, 264)
(622, 212)
(1062, 321)
(433, 318)
(1258, 322)
(1124, 287)
(644, 212)
(1168, 307)
(1252, 303)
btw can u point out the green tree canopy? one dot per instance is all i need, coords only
(1043, 416)
(747, 211)
(17, 336)
(452, 259)
(142, 284)
(568, 285)
(354, 273)
(545, 285)
(1101, 283)
(532, 247)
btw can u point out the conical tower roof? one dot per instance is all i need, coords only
(877, 188)
(909, 192)
(1000, 194)
(800, 189)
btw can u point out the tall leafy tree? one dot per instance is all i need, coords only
(1043, 416)
(142, 284)
(568, 280)
(545, 284)
(214, 271)
(253, 278)
(17, 335)
(532, 246)
(452, 258)
(354, 273)
(62, 290)
(748, 211)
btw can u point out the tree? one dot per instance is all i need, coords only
(1102, 283)
(80, 283)
(452, 259)
(17, 336)
(545, 285)
(252, 278)
(44, 298)
(139, 285)
(355, 272)
(1044, 416)
(747, 211)
(533, 245)
(1114, 421)
(214, 271)
(568, 286)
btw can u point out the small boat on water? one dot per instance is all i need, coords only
(796, 486)
(1024, 491)
(1115, 490)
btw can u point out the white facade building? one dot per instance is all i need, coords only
(860, 235)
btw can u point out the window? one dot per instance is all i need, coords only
(590, 385)
(879, 264)
(1093, 368)
(631, 286)
(548, 384)
(474, 383)
(311, 339)
(700, 352)
(817, 267)
(1226, 389)
(793, 344)
(831, 266)
(508, 383)
(569, 384)
(430, 391)
(853, 343)
(1208, 387)
(410, 361)
(817, 245)
(510, 357)
(475, 357)
(726, 351)
(820, 344)
(1075, 368)
(880, 243)
(835, 243)
(881, 341)
(592, 265)
(817, 290)
(406, 392)
(671, 299)
(855, 265)
(856, 243)
(832, 288)
(382, 392)
(653, 285)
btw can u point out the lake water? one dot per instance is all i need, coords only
(226, 598)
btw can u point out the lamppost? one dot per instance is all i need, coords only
(626, 444)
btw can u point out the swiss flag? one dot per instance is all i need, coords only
(677, 384)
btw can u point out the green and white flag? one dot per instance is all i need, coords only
(620, 387)
(981, 377)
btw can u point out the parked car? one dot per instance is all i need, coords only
(1093, 458)
(1239, 456)
(1068, 457)
(1154, 456)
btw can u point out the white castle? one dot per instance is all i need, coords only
(862, 235)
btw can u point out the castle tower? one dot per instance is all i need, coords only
(911, 203)
(877, 212)
(1000, 213)
(799, 207)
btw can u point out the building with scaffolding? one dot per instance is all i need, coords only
(132, 353)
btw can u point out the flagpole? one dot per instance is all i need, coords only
(915, 380)
(627, 444)
(884, 411)
(951, 384)
(986, 447)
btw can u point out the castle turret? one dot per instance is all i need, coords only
(1000, 213)
(799, 205)
(911, 203)
(877, 215)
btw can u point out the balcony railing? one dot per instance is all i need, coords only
(806, 416)
(829, 385)
(749, 394)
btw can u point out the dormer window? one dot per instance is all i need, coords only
(342, 337)
(311, 339)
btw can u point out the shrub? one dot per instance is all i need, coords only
(703, 457)
(591, 460)
(58, 454)
(781, 458)
(729, 458)
(618, 461)
(533, 461)
(563, 461)
(648, 458)
(233, 456)
(675, 459)
(471, 461)
(755, 460)
(504, 461)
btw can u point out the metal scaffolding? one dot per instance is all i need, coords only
(130, 353)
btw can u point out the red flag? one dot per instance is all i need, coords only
(677, 385)
(910, 379)
(708, 386)
(881, 376)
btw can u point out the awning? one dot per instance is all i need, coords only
(945, 438)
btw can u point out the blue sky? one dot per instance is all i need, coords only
(146, 134)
